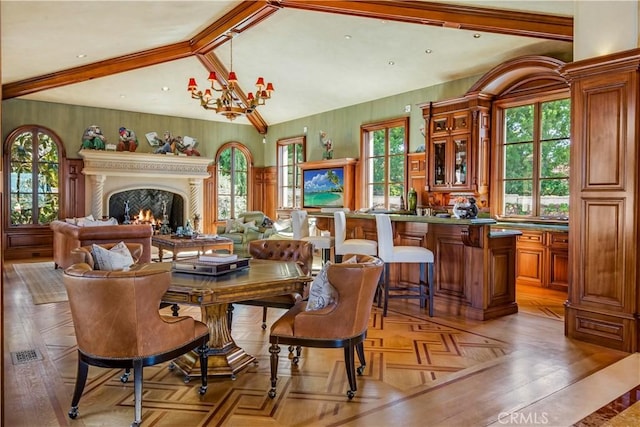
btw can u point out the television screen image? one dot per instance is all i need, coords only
(323, 188)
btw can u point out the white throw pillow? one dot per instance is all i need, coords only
(234, 226)
(98, 223)
(282, 225)
(116, 258)
(321, 293)
(251, 225)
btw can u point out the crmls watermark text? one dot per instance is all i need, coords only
(530, 418)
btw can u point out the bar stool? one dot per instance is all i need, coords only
(300, 225)
(389, 253)
(346, 246)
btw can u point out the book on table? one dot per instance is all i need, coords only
(217, 258)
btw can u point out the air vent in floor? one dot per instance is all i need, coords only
(25, 356)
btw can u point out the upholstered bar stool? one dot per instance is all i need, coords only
(344, 246)
(389, 253)
(300, 225)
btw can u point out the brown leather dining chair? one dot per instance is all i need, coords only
(117, 324)
(341, 323)
(297, 251)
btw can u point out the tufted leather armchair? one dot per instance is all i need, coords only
(340, 324)
(281, 250)
(118, 325)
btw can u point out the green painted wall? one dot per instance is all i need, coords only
(342, 125)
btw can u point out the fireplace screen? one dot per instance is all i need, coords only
(146, 205)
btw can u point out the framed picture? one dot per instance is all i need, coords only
(323, 188)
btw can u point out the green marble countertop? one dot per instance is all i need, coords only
(536, 226)
(413, 218)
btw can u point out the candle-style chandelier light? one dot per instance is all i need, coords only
(229, 103)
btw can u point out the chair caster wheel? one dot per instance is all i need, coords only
(350, 394)
(187, 379)
(124, 377)
(171, 366)
(360, 369)
(264, 326)
(73, 412)
(135, 424)
(272, 393)
(202, 390)
(295, 360)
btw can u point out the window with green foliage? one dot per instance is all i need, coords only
(535, 149)
(384, 148)
(233, 162)
(34, 176)
(290, 155)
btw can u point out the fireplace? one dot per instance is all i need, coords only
(148, 205)
(145, 180)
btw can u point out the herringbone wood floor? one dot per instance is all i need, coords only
(420, 371)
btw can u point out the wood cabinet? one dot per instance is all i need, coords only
(457, 145)
(416, 175)
(542, 259)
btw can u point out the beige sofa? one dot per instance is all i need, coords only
(68, 236)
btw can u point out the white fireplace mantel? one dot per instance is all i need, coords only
(110, 171)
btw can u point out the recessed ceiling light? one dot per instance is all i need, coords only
(476, 36)
(123, 96)
(391, 63)
(81, 55)
(428, 51)
(347, 36)
(165, 88)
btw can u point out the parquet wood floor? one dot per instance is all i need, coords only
(420, 371)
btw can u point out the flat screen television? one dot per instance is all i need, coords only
(323, 188)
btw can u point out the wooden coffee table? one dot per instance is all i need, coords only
(181, 244)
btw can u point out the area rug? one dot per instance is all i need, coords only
(621, 412)
(43, 281)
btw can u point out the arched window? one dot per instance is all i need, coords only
(33, 160)
(233, 172)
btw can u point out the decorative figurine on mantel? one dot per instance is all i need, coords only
(328, 146)
(186, 145)
(167, 145)
(128, 140)
(92, 138)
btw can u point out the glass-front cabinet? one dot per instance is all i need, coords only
(452, 152)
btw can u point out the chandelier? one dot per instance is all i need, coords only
(229, 103)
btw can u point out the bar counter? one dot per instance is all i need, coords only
(474, 260)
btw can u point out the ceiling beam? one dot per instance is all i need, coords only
(510, 22)
(97, 69)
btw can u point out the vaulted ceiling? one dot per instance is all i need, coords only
(320, 55)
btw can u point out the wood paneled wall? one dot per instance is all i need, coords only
(604, 298)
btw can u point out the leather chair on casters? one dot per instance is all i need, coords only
(300, 225)
(350, 246)
(279, 250)
(390, 253)
(342, 323)
(118, 325)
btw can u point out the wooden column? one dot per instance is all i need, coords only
(603, 296)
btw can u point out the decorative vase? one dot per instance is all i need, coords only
(412, 201)
(460, 209)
